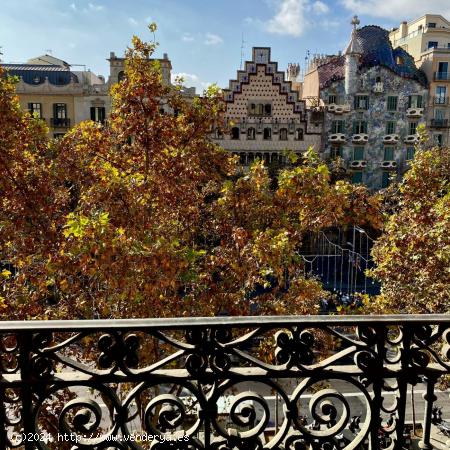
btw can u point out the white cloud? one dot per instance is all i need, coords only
(290, 18)
(191, 80)
(326, 23)
(402, 9)
(94, 7)
(187, 37)
(212, 39)
(73, 6)
(320, 7)
(132, 21)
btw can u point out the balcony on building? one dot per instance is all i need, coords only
(441, 76)
(57, 122)
(291, 382)
(439, 123)
(360, 138)
(389, 165)
(414, 112)
(440, 100)
(337, 138)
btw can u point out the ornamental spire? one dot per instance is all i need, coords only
(354, 47)
(355, 22)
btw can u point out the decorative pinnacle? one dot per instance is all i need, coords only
(355, 22)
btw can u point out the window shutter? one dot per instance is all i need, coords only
(419, 101)
(354, 128)
(93, 113)
(55, 110)
(102, 114)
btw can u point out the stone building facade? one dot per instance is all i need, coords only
(265, 114)
(374, 98)
(50, 89)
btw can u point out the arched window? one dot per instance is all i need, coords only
(268, 109)
(235, 133)
(242, 158)
(283, 134)
(251, 158)
(120, 76)
(267, 134)
(251, 133)
(299, 134)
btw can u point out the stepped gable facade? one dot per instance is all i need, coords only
(265, 115)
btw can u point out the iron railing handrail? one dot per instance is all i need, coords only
(234, 321)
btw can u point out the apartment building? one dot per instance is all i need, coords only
(49, 88)
(427, 40)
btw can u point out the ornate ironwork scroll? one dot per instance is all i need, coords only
(284, 383)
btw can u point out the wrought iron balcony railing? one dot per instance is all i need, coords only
(439, 123)
(57, 122)
(440, 100)
(320, 382)
(441, 76)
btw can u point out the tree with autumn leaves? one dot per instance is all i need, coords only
(145, 217)
(412, 256)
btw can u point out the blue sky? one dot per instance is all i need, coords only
(202, 37)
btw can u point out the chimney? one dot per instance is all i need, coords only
(404, 29)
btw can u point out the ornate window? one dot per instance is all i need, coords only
(412, 128)
(359, 126)
(267, 134)
(385, 179)
(357, 177)
(389, 153)
(361, 102)
(390, 127)
(337, 126)
(35, 109)
(283, 134)
(392, 102)
(299, 134)
(358, 153)
(251, 133)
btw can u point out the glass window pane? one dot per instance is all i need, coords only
(357, 177)
(358, 153)
(388, 154)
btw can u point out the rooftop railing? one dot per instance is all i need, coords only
(322, 382)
